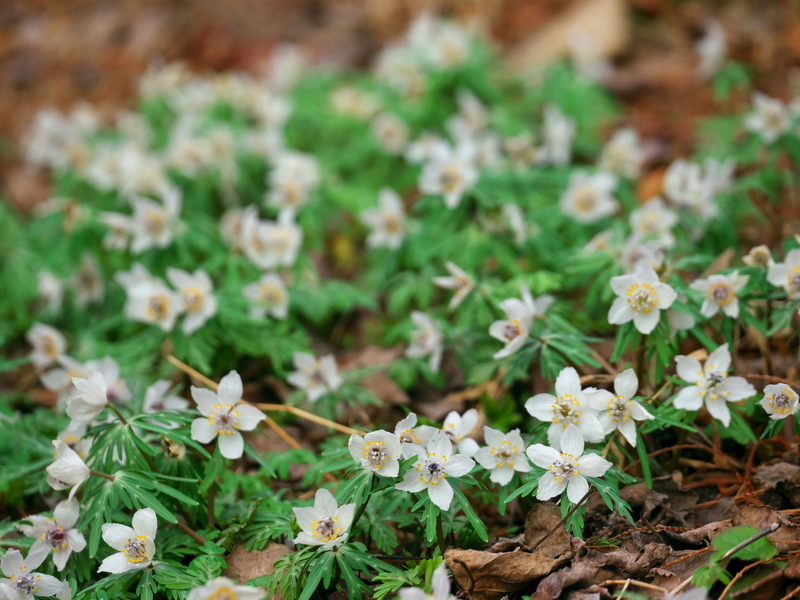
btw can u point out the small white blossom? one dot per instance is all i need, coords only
(568, 468)
(196, 293)
(712, 386)
(387, 220)
(780, 401)
(619, 410)
(712, 49)
(569, 406)
(136, 544)
(268, 295)
(424, 148)
(472, 116)
(91, 397)
(457, 428)
(292, 180)
(224, 416)
(623, 154)
(73, 437)
(787, 274)
(558, 131)
(377, 451)
(117, 390)
(516, 222)
(504, 455)
(57, 533)
(449, 172)
(391, 132)
(222, 588)
(426, 340)
(434, 464)
(638, 252)
(271, 244)
(59, 379)
(88, 282)
(120, 228)
(325, 524)
(68, 470)
(588, 198)
(641, 298)
(759, 256)
(521, 150)
(514, 329)
(154, 303)
(721, 293)
(316, 377)
(157, 398)
(586, 57)
(50, 289)
(769, 118)
(154, 223)
(459, 280)
(653, 222)
(48, 344)
(23, 582)
(348, 100)
(440, 583)
(408, 432)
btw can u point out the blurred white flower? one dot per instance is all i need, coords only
(769, 118)
(712, 50)
(50, 289)
(136, 544)
(514, 329)
(408, 432)
(619, 410)
(721, 293)
(316, 377)
(641, 298)
(623, 154)
(449, 172)
(653, 222)
(586, 57)
(268, 295)
(387, 220)
(787, 274)
(759, 256)
(426, 340)
(91, 398)
(516, 222)
(457, 428)
(472, 116)
(68, 470)
(424, 148)
(88, 282)
(588, 198)
(196, 293)
(459, 280)
(780, 401)
(376, 451)
(558, 131)
(154, 303)
(325, 524)
(48, 344)
(293, 178)
(222, 588)
(56, 534)
(351, 101)
(504, 455)
(154, 223)
(391, 132)
(638, 252)
(271, 244)
(157, 398)
(440, 583)
(120, 228)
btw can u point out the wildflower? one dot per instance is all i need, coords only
(719, 175)
(91, 398)
(769, 118)
(712, 386)
(434, 464)
(154, 223)
(457, 429)
(120, 228)
(588, 198)
(587, 58)
(408, 432)
(136, 544)
(516, 222)
(399, 68)
(566, 469)
(472, 115)
(68, 470)
(50, 289)
(623, 154)
(388, 221)
(377, 451)
(569, 406)
(73, 437)
(514, 329)
(459, 280)
(348, 100)
(325, 524)
(291, 181)
(117, 390)
(59, 379)
(779, 401)
(677, 319)
(504, 455)
(57, 534)
(721, 293)
(424, 148)
(268, 295)
(440, 583)
(271, 244)
(222, 588)
(600, 242)
(641, 298)
(558, 131)
(154, 303)
(426, 340)
(136, 276)
(759, 256)
(619, 410)
(711, 49)
(156, 399)
(638, 252)
(449, 172)
(224, 416)
(316, 377)
(48, 344)
(88, 283)
(653, 222)
(23, 582)
(787, 274)
(391, 132)
(195, 291)
(686, 185)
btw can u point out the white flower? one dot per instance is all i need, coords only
(567, 469)
(712, 49)
(50, 289)
(623, 154)
(399, 68)
(154, 303)
(325, 524)
(48, 344)
(459, 280)
(408, 432)
(719, 175)
(721, 293)
(73, 437)
(136, 544)
(712, 385)
(349, 100)
(637, 253)
(391, 132)
(426, 340)
(686, 185)
(472, 116)
(424, 148)
(68, 470)
(136, 276)
(316, 377)
(521, 150)
(23, 582)
(504, 455)
(587, 58)
(441, 588)
(224, 416)
(558, 131)
(377, 451)
(270, 244)
(60, 379)
(91, 398)
(779, 401)
(588, 198)
(388, 221)
(195, 291)
(120, 228)
(514, 329)
(619, 411)
(88, 282)
(653, 222)
(57, 534)
(679, 320)
(269, 296)
(449, 172)
(154, 222)
(769, 118)
(292, 179)
(109, 368)
(569, 407)
(156, 399)
(600, 242)
(641, 298)
(222, 588)
(759, 256)
(516, 222)
(787, 274)
(434, 464)
(457, 428)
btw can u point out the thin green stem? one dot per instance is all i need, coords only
(363, 505)
(122, 419)
(440, 533)
(100, 474)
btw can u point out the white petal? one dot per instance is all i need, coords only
(548, 488)
(230, 388)
(719, 361)
(249, 416)
(689, 368)
(541, 406)
(203, 431)
(231, 446)
(626, 384)
(47, 584)
(116, 535)
(568, 382)
(572, 441)
(646, 322)
(441, 495)
(458, 465)
(620, 312)
(117, 563)
(66, 513)
(542, 456)
(688, 398)
(206, 399)
(628, 431)
(736, 388)
(411, 482)
(577, 488)
(719, 410)
(145, 523)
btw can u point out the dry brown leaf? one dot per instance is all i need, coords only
(244, 566)
(543, 518)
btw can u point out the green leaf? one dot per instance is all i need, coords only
(761, 549)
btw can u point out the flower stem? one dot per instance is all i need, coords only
(364, 503)
(440, 533)
(639, 365)
(191, 533)
(104, 475)
(122, 419)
